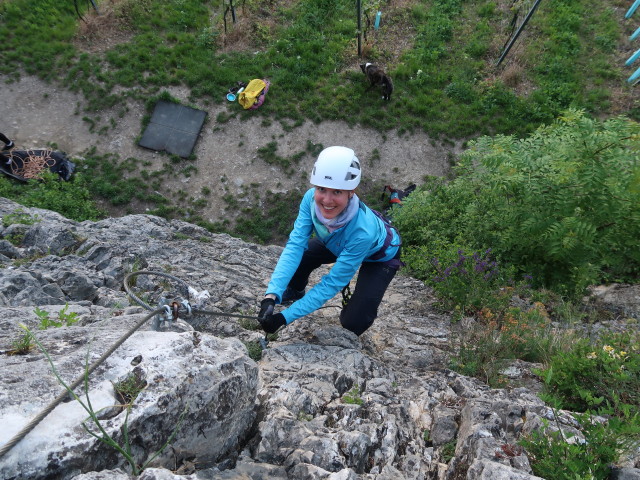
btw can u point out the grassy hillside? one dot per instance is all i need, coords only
(440, 53)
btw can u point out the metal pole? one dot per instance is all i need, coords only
(515, 37)
(359, 13)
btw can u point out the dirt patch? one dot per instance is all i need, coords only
(227, 160)
(228, 163)
(99, 31)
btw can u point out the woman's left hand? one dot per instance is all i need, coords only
(271, 323)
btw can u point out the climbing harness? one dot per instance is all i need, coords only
(388, 238)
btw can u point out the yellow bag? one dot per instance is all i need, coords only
(249, 95)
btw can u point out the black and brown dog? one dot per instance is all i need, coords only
(378, 78)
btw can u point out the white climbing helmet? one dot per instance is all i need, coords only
(337, 168)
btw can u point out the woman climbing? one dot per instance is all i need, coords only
(347, 233)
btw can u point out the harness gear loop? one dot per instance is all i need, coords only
(174, 310)
(346, 295)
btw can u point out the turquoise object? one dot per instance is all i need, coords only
(634, 77)
(632, 58)
(633, 8)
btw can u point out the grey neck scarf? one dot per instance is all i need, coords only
(343, 218)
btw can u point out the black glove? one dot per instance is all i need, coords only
(272, 323)
(266, 308)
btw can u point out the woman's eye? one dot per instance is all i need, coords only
(337, 192)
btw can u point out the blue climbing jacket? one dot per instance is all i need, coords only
(365, 238)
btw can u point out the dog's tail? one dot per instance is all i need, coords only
(387, 84)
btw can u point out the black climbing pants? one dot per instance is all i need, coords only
(373, 279)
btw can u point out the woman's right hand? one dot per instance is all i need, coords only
(266, 308)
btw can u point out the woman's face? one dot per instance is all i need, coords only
(331, 202)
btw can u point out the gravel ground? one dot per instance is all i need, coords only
(36, 114)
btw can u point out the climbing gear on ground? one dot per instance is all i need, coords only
(346, 295)
(395, 195)
(233, 92)
(253, 94)
(291, 295)
(337, 168)
(236, 89)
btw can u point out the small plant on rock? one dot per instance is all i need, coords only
(129, 389)
(100, 433)
(352, 397)
(63, 318)
(20, 216)
(21, 345)
(254, 350)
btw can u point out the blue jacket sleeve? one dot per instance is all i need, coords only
(340, 275)
(295, 247)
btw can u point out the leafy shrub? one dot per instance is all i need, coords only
(70, 199)
(499, 337)
(554, 456)
(563, 203)
(469, 282)
(602, 375)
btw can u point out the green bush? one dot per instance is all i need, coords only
(602, 375)
(502, 335)
(554, 456)
(564, 203)
(469, 282)
(70, 199)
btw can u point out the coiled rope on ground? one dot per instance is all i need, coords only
(32, 165)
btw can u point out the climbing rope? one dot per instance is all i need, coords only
(171, 312)
(172, 309)
(65, 394)
(32, 165)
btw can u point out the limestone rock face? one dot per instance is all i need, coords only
(317, 403)
(201, 386)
